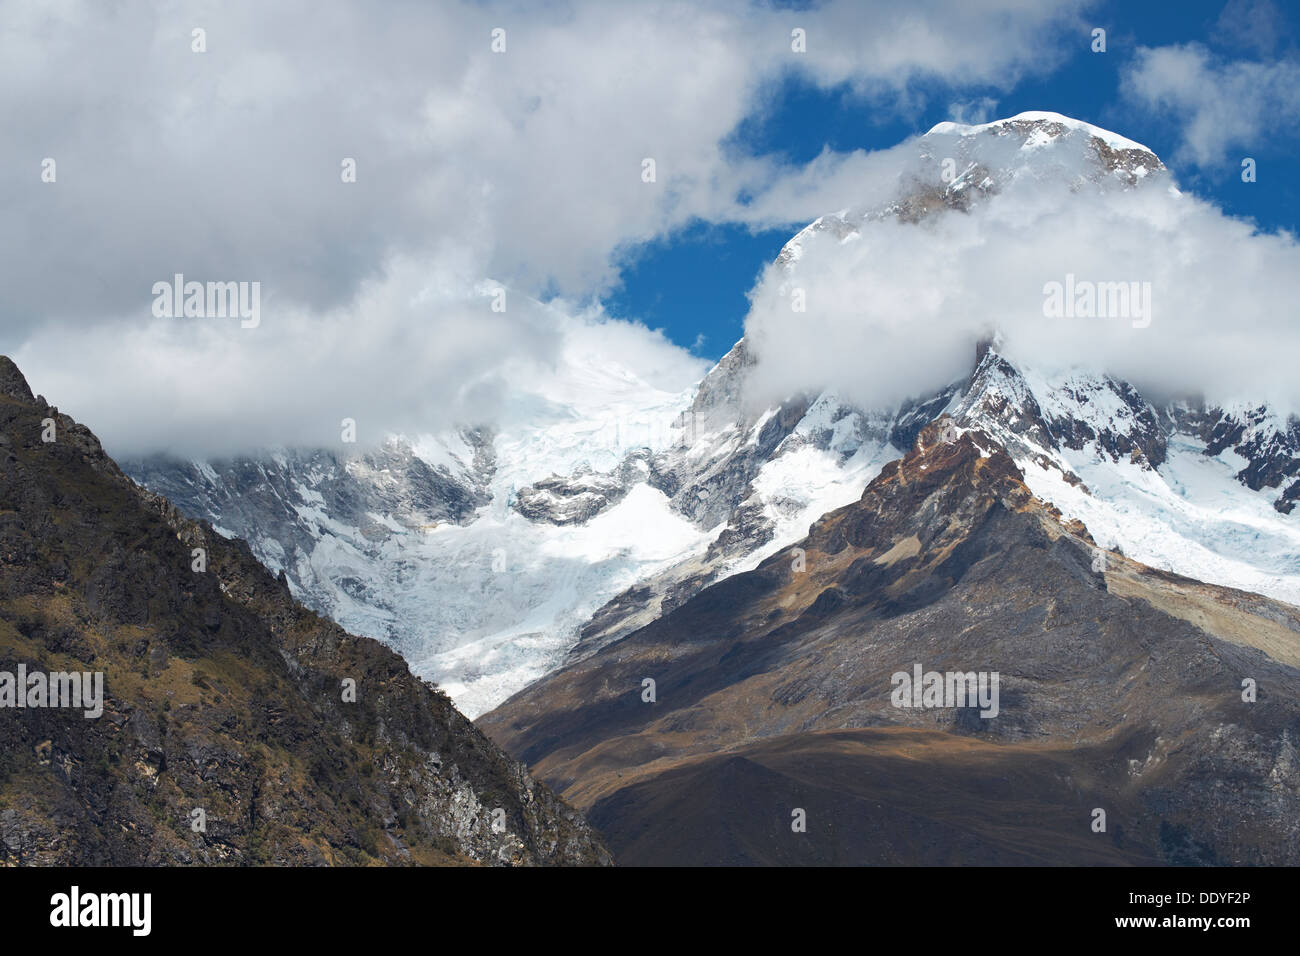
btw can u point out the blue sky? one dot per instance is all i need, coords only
(693, 283)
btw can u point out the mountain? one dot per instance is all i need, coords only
(492, 555)
(234, 726)
(774, 695)
(453, 548)
(479, 556)
(605, 528)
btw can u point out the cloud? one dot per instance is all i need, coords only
(415, 353)
(523, 165)
(1220, 104)
(895, 310)
(973, 112)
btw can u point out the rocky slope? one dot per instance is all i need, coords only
(230, 733)
(1121, 689)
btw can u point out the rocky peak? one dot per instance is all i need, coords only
(1035, 415)
(936, 491)
(1109, 155)
(12, 382)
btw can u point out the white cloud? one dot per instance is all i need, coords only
(1255, 25)
(896, 310)
(416, 352)
(526, 166)
(1220, 104)
(973, 112)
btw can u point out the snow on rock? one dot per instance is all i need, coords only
(1094, 448)
(1043, 122)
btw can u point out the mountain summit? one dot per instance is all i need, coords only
(955, 166)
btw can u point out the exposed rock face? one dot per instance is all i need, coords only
(280, 499)
(1095, 412)
(226, 703)
(1121, 689)
(1268, 445)
(579, 497)
(1112, 419)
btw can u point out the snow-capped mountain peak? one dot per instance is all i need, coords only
(603, 499)
(1044, 126)
(955, 166)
